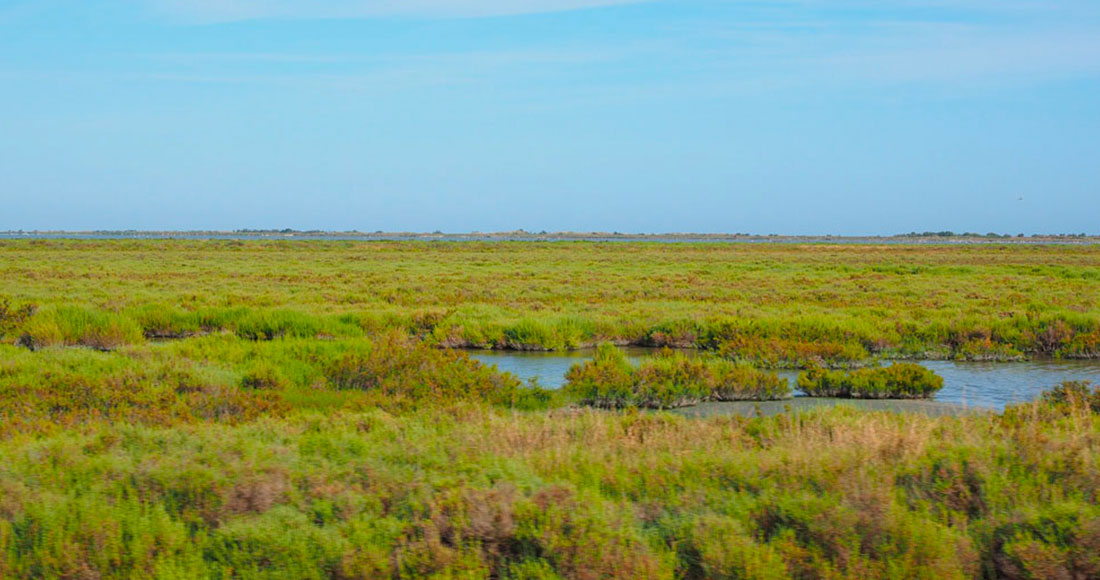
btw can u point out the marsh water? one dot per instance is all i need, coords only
(990, 385)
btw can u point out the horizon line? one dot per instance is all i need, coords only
(539, 233)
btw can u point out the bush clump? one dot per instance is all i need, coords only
(1073, 395)
(667, 381)
(671, 380)
(606, 381)
(897, 381)
(396, 366)
(738, 382)
(264, 376)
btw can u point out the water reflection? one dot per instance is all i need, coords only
(978, 384)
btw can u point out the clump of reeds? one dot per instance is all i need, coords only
(897, 381)
(79, 326)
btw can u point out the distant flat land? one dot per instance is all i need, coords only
(522, 235)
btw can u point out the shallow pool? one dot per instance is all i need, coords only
(979, 384)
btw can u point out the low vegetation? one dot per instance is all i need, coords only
(897, 381)
(76, 325)
(769, 305)
(666, 381)
(1072, 395)
(469, 490)
(225, 379)
(13, 317)
(225, 409)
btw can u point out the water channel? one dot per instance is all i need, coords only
(990, 385)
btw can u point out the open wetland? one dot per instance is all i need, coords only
(340, 409)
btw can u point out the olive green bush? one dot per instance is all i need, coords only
(897, 381)
(667, 380)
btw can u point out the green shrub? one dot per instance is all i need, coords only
(581, 536)
(738, 382)
(897, 381)
(1084, 345)
(1072, 395)
(281, 542)
(606, 381)
(667, 380)
(1062, 540)
(722, 547)
(670, 380)
(264, 376)
(396, 366)
(533, 398)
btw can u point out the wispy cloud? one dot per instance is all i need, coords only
(708, 61)
(904, 52)
(234, 10)
(977, 58)
(499, 57)
(780, 50)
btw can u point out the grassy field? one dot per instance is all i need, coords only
(772, 305)
(304, 423)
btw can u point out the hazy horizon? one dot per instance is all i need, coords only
(521, 232)
(804, 117)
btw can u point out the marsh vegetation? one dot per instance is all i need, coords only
(667, 380)
(897, 381)
(203, 409)
(769, 305)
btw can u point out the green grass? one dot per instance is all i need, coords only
(780, 305)
(75, 325)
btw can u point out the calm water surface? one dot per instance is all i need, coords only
(977, 384)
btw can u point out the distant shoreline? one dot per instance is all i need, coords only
(524, 236)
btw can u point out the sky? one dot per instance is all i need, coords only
(790, 117)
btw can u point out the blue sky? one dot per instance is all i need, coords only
(800, 116)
